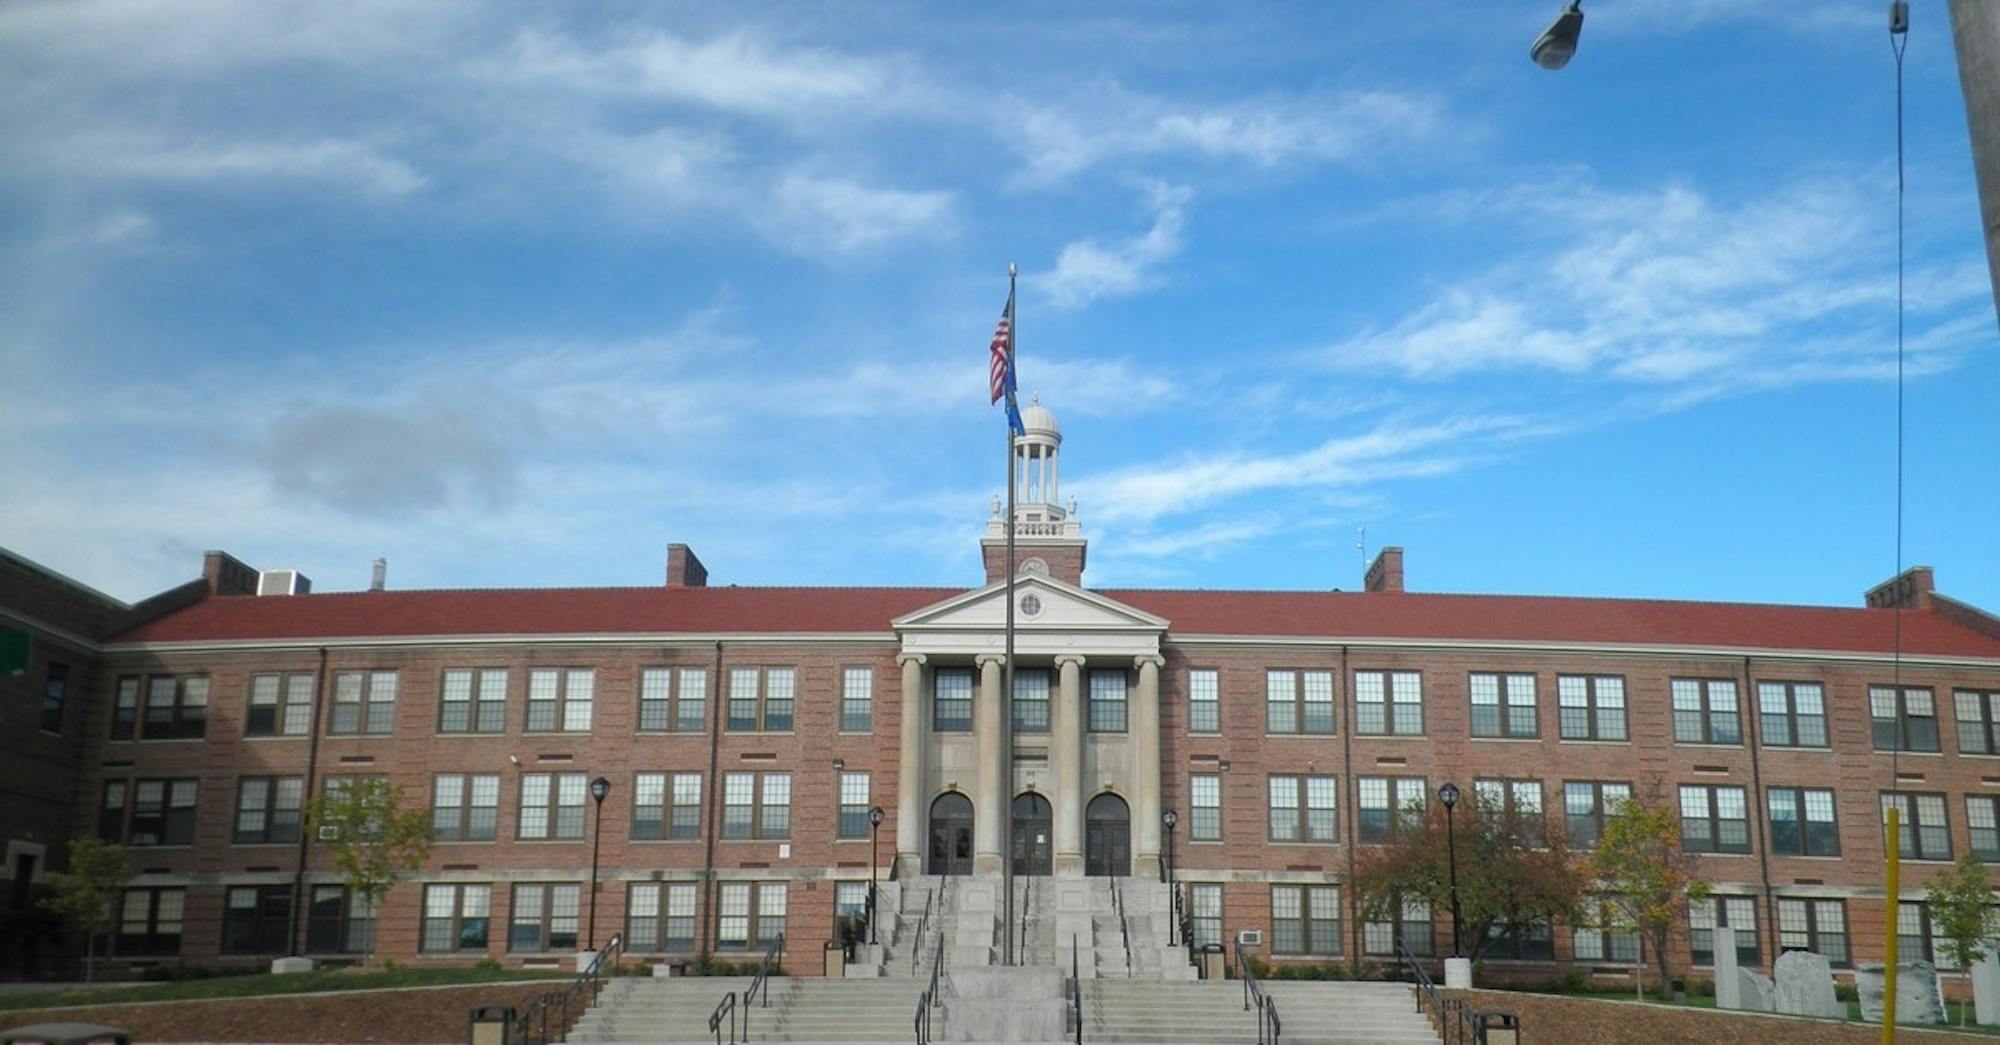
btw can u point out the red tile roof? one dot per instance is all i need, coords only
(1503, 618)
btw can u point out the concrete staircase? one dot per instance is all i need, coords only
(1312, 1013)
(801, 1009)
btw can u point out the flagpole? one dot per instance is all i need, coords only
(1006, 767)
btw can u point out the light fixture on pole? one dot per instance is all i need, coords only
(1169, 819)
(874, 838)
(1557, 44)
(1448, 794)
(599, 788)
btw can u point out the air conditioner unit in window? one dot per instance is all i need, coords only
(329, 832)
(1250, 938)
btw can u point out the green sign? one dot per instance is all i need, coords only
(14, 649)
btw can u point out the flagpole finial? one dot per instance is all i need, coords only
(1012, 271)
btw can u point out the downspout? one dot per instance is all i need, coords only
(1353, 788)
(1763, 801)
(715, 712)
(305, 796)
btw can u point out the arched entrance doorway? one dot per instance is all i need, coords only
(1034, 823)
(951, 835)
(1107, 837)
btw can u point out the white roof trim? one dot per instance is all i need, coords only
(1139, 619)
(1615, 649)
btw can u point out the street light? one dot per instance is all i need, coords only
(1171, 818)
(874, 838)
(1557, 44)
(598, 789)
(1448, 794)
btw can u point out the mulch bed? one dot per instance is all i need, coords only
(436, 1014)
(1553, 1018)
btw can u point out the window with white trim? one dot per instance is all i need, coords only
(857, 700)
(1305, 919)
(666, 805)
(473, 701)
(544, 917)
(1793, 714)
(280, 706)
(456, 918)
(1714, 819)
(559, 699)
(951, 700)
(1303, 808)
(1107, 700)
(1591, 707)
(757, 805)
(1978, 714)
(1205, 913)
(1204, 700)
(1705, 711)
(660, 916)
(1802, 822)
(465, 807)
(1503, 705)
(853, 805)
(1389, 703)
(761, 699)
(552, 805)
(749, 913)
(1204, 807)
(364, 702)
(673, 700)
(1298, 701)
(1905, 723)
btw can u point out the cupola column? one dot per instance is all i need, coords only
(910, 789)
(1068, 737)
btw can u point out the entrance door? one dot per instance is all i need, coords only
(951, 835)
(1033, 824)
(1107, 837)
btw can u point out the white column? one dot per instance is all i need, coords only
(995, 769)
(1145, 726)
(1069, 787)
(910, 789)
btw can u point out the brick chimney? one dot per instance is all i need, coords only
(1910, 590)
(683, 569)
(225, 574)
(1385, 574)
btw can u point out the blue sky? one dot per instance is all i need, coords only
(514, 294)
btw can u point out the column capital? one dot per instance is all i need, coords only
(1149, 660)
(1064, 660)
(911, 658)
(984, 659)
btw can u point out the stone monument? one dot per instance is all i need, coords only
(1918, 999)
(1805, 986)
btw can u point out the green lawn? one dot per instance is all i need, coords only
(258, 984)
(1953, 1010)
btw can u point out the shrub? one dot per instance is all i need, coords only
(1846, 992)
(1575, 981)
(1698, 988)
(488, 962)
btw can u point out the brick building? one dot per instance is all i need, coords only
(747, 732)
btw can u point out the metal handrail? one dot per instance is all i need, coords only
(1268, 1024)
(1075, 990)
(927, 1001)
(1455, 1020)
(1124, 934)
(728, 1005)
(760, 983)
(1027, 894)
(532, 1026)
(923, 924)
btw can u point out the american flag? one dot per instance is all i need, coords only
(1000, 369)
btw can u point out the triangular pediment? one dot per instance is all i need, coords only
(1042, 605)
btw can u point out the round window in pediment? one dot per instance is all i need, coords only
(1035, 568)
(1031, 605)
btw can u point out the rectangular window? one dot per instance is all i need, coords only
(1916, 937)
(1903, 723)
(1205, 914)
(257, 919)
(1204, 701)
(760, 700)
(1530, 943)
(125, 709)
(853, 805)
(749, 913)
(1599, 936)
(55, 688)
(176, 707)
(466, 807)
(1298, 701)
(1518, 802)
(1107, 701)
(1205, 807)
(267, 809)
(1802, 822)
(659, 917)
(559, 699)
(1591, 707)
(338, 923)
(1705, 712)
(1305, 919)
(850, 905)
(112, 810)
(1978, 721)
(473, 701)
(544, 918)
(456, 918)
(667, 805)
(1737, 912)
(1982, 819)
(162, 811)
(280, 705)
(552, 805)
(857, 699)
(1408, 923)
(1926, 835)
(757, 805)
(673, 700)
(1793, 713)
(951, 700)
(1031, 700)
(1385, 805)
(1586, 805)
(1714, 819)
(1302, 808)
(149, 922)
(363, 702)
(1819, 926)
(1503, 705)
(1389, 703)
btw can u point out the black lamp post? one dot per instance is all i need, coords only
(874, 841)
(1169, 819)
(598, 789)
(1448, 794)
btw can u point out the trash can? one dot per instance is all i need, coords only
(836, 960)
(492, 1025)
(1497, 1028)
(1214, 962)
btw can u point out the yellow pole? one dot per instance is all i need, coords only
(1895, 892)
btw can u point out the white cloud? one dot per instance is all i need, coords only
(352, 164)
(1086, 270)
(841, 215)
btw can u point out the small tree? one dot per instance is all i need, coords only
(1648, 876)
(373, 838)
(1962, 914)
(1513, 873)
(86, 893)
